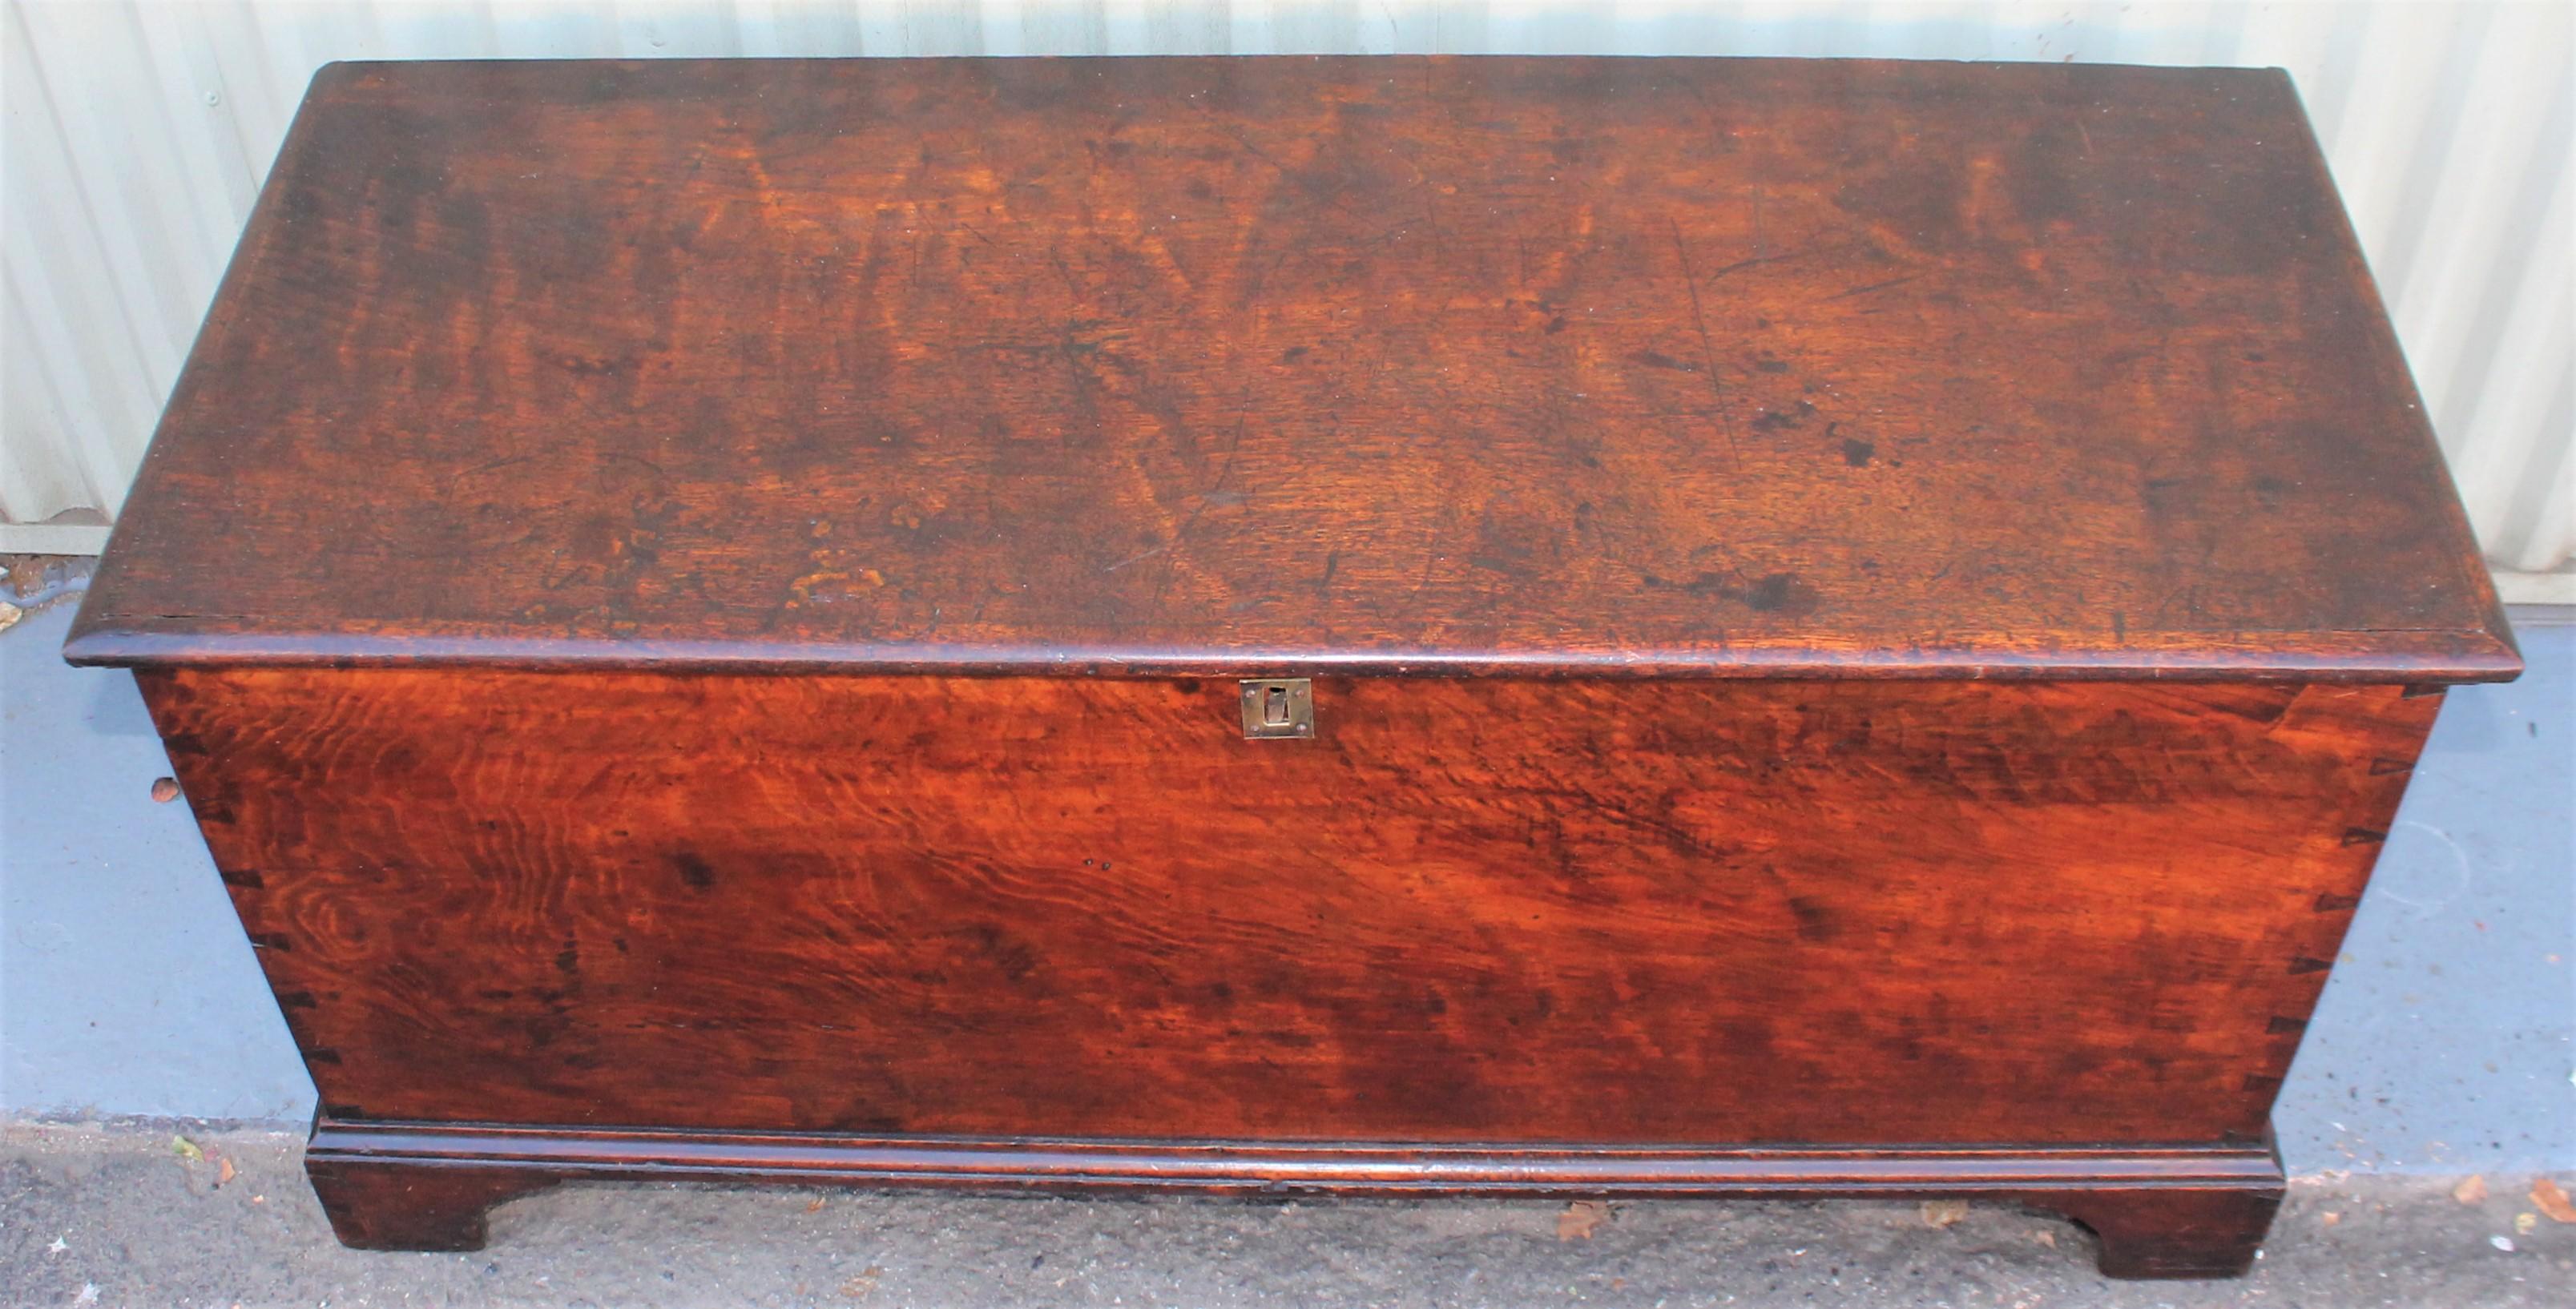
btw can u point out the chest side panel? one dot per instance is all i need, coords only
(1675, 912)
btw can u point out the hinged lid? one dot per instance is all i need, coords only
(1264, 367)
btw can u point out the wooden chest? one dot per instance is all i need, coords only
(1582, 627)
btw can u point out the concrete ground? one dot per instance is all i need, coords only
(127, 1212)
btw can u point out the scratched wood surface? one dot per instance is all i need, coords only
(1592, 365)
(1468, 910)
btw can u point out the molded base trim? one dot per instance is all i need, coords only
(2160, 1212)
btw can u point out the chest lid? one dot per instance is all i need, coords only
(1678, 367)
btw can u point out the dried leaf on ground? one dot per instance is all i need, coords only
(2471, 1190)
(816, 1207)
(9, 615)
(1942, 1213)
(186, 1149)
(2524, 1224)
(224, 1172)
(1581, 1219)
(2552, 1200)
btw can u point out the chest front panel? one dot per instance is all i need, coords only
(1467, 910)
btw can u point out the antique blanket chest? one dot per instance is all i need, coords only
(1576, 627)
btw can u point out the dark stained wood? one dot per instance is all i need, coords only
(1868, 621)
(1594, 366)
(383, 1206)
(1469, 910)
(2158, 1212)
(2172, 1231)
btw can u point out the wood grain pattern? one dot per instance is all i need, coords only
(1868, 622)
(1609, 366)
(2158, 1213)
(1641, 912)
(381, 1205)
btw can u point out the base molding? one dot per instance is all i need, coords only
(2160, 1212)
(1274, 1168)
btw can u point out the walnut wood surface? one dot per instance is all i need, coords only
(375, 1205)
(1736, 367)
(699, 422)
(1468, 910)
(2158, 1213)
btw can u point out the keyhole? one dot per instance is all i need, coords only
(1278, 709)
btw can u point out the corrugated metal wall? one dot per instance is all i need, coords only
(138, 131)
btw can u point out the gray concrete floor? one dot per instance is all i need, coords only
(148, 1227)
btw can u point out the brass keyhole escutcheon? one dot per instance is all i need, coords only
(1278, 708)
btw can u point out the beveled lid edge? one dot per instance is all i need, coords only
(2425, 656)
